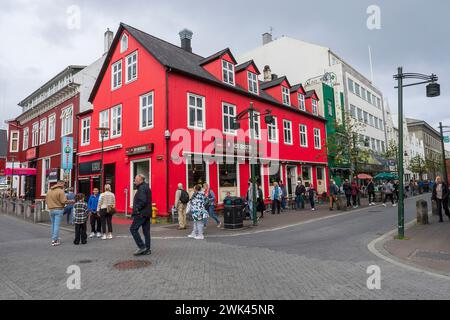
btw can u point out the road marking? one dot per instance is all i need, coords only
(396, 261)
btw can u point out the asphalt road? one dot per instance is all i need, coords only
(325, 259)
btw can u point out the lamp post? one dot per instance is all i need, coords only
(103, 132)
(444, 165)
(269, 119)
(433, 90)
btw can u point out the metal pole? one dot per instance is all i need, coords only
(252, 167)
(401, 209)
(444, 166)
(126, 203)
(101, 171)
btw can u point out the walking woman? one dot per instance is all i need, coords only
(199, 213)
(440, 195)
(355, 193)
(276, 198)
(107, 207)
(212, 205)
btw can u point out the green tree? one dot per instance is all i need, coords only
(418, 165)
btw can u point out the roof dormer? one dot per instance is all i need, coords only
(298, 97)
(279, 88)
(247, 76)
(221, 65)
(312, 102)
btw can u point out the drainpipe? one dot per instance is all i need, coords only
(167, 137)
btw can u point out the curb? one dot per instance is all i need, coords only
(376, 247)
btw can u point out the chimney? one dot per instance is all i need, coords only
(109, 36)
(267, 74)
(186, 37)
(267, 38)
(274, 76)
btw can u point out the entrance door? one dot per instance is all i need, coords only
(291, 180)
(139, 167)
(110, 176)
(84, 187)
(321, 183)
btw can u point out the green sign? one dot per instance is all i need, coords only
(447, 139)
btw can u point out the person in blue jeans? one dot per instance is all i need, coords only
(68, 210)
(56, 200)
(211, 210)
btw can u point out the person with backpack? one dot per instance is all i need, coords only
(210, 205)
(181, 201)
(276, 198)
(300, 192)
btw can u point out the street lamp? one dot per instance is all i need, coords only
(269, 119)
(433, 90)
(103, 134)
(444, 168)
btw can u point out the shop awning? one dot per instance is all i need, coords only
(20, 172)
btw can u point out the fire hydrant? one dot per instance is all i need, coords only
(154, 213)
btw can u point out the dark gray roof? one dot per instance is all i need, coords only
(273, 83)
(3, 144)
(310, 93)
(177, 59)
(296, 87)
(245, 65)
(217, 56)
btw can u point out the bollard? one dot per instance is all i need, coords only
(434, 209)
(422, 212)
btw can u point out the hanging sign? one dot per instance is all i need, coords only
(67, 153)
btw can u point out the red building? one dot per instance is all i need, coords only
(166, 109)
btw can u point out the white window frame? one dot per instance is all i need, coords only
(357, 89)
(149, 110)
(315, 107)
(252, 82)
(317, 139)
(305, 134)
(129, 65)
(26, 138)
(196, 108)
(287, 128)
(51, 128)
(301, 102)
(257, 125)
(67, 121)
(116, 72)
(103, 123)
(228, 75)
(124, 43)
(35, 135)
(351, 85)
(286, 95)
(116, 117)
(43, 131)
(86, 131)
(44, 180)
(228, 117)
(273, 128)
(17, 139)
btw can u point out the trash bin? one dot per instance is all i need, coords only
(233, 213)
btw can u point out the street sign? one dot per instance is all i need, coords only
(447, 139)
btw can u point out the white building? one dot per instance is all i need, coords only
(301, 61)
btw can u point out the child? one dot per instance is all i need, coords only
(80, 218)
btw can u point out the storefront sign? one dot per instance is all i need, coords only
(53, 175)
(89, 168)
(21, 172)
(31, 154)
(148, 148)
(232, 148)
(67, 153)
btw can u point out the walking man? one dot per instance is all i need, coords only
(440, 195)
(300, 192)
(388, 193)
(371, 192)
(181, 201)
(142, 213)
(348, 192)
(56, 200)
(334, 191)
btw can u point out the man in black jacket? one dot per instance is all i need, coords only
(142, 213)
(440, 195)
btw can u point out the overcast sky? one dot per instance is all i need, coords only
(37, 42)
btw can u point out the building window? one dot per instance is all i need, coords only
(314, 107)
(132, 67)
(303, 136)
(196, 173)
(35, 134)
(378, 145)
(252, 82)
(45, 176)
(371, 122)
(286, 96)
(228, 72)
(366, 117)
(116, 121)
(124, 43)
(104, 123)
(376, 122)
(86, 132)
(317, 140)
(360, 115)
(330, 108)
(369, 97)
(256, 125)
(116, 76)
(358, 90)
(381, 125)
(66, 121)
(14, 144)
(228, 180)
(364, 94)
(353, 111)
(43, 131)
(26, 134)
(51, 128)
(351, 86)
(378, 103)
(287, 129)
(228, 115)
(146, 112)
(196, 112)
(301, 102)
(273, 131)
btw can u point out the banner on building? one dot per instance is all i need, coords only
(67, 153)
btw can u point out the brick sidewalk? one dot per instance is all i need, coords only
(428, 246)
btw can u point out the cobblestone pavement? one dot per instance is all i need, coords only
(327, 259)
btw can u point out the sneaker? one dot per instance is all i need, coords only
(104, 237)
(109, 236)
(313, 209)
(370, 204)
(53, 243)
(147, 252)
(57, 243)
(99, 235)
(139, 252)
(192, 236)
(92, 235)
(219, 225)
(384, 205)
(394, 205)
(199, 238)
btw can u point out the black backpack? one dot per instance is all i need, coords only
(184, 197)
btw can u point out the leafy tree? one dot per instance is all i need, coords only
(418, 165)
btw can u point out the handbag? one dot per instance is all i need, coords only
(111, 210)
